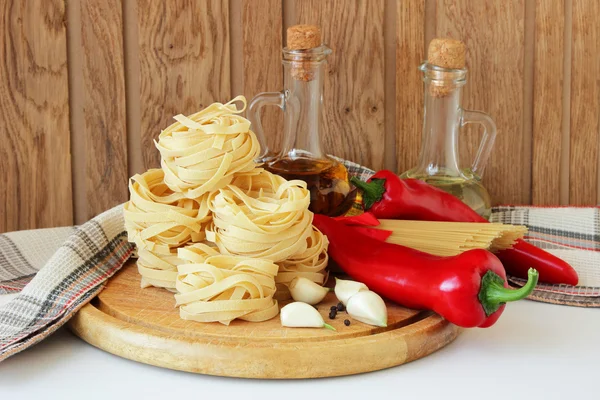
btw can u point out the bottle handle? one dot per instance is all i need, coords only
(487, 141)
(257, 103)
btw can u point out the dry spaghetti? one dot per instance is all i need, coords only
(202, 152)
(451, 238)
(214, 287)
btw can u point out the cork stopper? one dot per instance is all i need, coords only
(447, 53)
(302, 37)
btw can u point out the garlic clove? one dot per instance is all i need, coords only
(368, 307)
(302, 315)
(307, 291)
(345, 289)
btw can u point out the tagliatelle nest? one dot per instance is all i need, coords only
(202, 152)
(214, 287)
(261, 215)
(158, 219)
(310, 264)
(156, 269)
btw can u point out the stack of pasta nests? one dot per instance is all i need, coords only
(226, 236)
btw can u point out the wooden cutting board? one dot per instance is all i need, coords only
(144, 325)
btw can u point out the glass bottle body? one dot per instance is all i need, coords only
(439, 160)
(302, 156)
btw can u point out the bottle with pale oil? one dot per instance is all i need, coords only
(444, 75)
(466, 186)
(302, 156)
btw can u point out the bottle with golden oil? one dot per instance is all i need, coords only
(302, 156)
(444, 75)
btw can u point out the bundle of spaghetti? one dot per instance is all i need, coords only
(261, 215)
(159, 220)
(213, 287)
(310, 264)
(203, 152)
(452, 238)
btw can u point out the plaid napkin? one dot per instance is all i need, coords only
(73, 263)
(56, 271)
(570, 233)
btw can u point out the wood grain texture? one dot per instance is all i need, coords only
(105, 127)
(178, 59)
(547, 101)
(494, 35)
(143, 325)
(35, 162)
(131, 47)
(354, 89)
(585, 103)
(410, 53)
(261, 60)
(184, 62)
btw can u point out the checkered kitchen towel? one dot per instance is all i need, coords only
(73, 264)
(571, 233)
(56, 271)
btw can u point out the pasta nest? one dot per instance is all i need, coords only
(310, 264)
(214, 287)
(202, 152)
(156, 269)
(261, 215)
(157, 219)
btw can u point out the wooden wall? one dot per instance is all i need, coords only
(86, 85)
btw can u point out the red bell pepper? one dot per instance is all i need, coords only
(387, 196)
(469, 290)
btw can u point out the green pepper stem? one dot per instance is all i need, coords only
(372, 191)
(326, 325)
(493, 294)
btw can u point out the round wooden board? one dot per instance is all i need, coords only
(144, 325)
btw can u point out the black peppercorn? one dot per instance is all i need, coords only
(340, 307)
(332, 314)
(347, 322)
(333, 308)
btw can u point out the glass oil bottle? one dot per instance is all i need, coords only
(444, 75)
(302, 156)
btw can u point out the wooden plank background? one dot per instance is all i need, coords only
(87, 85)
(35, 160)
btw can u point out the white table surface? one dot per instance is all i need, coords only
(535, 350)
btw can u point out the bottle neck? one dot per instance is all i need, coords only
(442, 116)
(303, 122)
(304, 71)
(441, 121)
